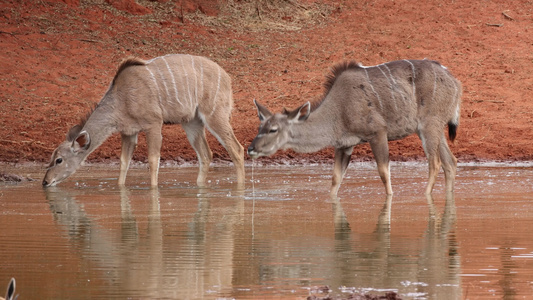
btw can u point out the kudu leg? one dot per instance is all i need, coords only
(154, 141)
(342, 159)
(431, 143)
(220, 127)
(128, 146)
(434, 167)
(380, 148)
(449, 164)
(195, 131)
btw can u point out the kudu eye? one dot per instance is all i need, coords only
(273, 130)
(59, 160)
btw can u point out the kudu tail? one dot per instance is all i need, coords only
(452, 130)
(453, 124)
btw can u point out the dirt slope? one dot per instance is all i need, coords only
(58, 58)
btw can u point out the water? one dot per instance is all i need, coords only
(283, 238)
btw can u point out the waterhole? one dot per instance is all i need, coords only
(281, 237)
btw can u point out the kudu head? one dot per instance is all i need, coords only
(68, 156)
(275, 130)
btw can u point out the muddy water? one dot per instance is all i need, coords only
(285, 238)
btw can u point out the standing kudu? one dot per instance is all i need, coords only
(375, 105)
(190, 90)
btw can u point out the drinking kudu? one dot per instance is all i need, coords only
(375, 105)
(174, 89)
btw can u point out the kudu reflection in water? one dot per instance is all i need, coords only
(216, 251)
(163, 267)
(174, 89)
(435, 274)
(98, 245)
(371, 104)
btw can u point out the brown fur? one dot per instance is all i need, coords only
(371, 104)
(335, 71)
(173, 89)
(85, 117)
(128, 62)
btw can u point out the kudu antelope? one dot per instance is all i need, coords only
(190, 90)
(375, 105)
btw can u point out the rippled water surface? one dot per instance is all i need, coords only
(281, 237)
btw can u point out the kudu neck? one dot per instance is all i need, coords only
(100, 125)
(313, 134)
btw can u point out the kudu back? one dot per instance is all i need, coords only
(174, 89)
(371, 104)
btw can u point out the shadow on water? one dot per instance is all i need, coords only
(434, 275)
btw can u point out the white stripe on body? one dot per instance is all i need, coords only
(156, 84)
(195, 79)
(414, 76)
(176, 93)
(457, 109)
(201, 79)
(434, 85)
(456, 95)
(216, 93)
(159, 57)
(390, 73)
(391, 86)
(188, 87)
(151, 60)
(162, 76)
(395, 82)
(373, 90)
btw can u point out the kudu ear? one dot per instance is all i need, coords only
(82, 142)
(300, 114)
(73, 132)
(10, 294)
(262, 111)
